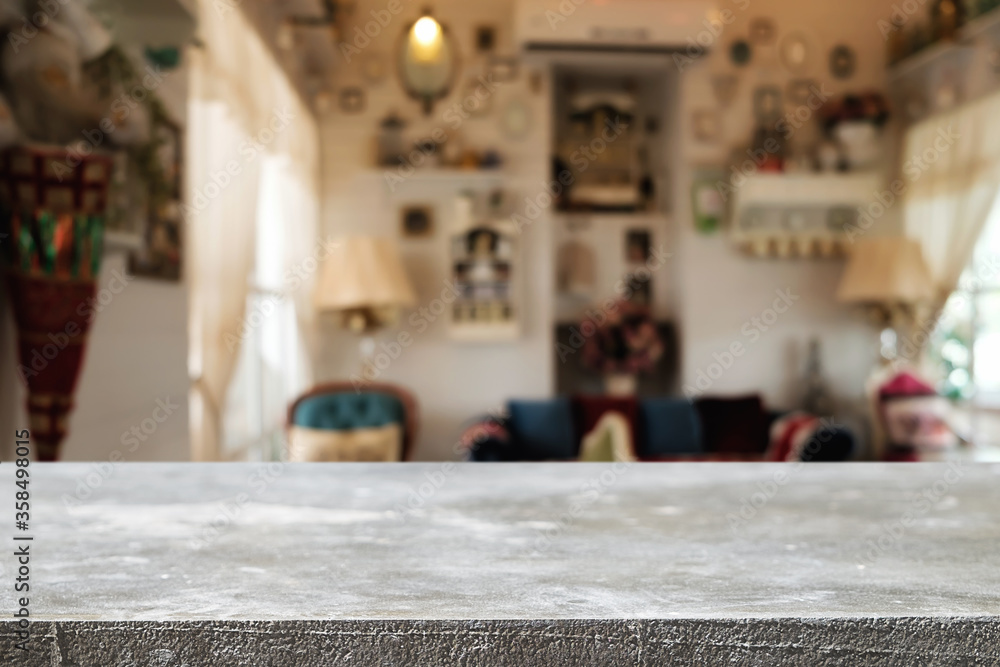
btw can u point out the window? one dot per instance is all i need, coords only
(966, 344)
(270, 371)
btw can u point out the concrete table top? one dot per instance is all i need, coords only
(509, 564)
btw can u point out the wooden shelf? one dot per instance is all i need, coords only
(434, 176)
(485, 333)
(941, 51)
(810, 198)
(822, 189)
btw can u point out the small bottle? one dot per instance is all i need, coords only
(816, 398)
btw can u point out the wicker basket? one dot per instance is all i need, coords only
(53, 202)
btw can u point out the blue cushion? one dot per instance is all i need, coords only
(349, 410)
(543, 429)
(668, 426)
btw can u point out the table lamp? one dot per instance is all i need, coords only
(889, 277)
(363, 279)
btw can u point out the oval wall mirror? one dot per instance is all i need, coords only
(428, 61)
(795, 52)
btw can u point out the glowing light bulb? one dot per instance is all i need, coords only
(426, 40)
(427, 31)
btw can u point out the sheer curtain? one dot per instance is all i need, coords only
(243, 114)
(954, 162)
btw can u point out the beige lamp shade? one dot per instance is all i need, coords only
(364, 272)
(886, 271)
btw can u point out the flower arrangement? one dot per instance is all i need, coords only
(869, 106)
(627, 342)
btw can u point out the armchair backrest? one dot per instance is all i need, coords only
(341, 406)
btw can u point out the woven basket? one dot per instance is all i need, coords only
(52, 205)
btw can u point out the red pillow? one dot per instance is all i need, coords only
(588, 410)
(733, 425)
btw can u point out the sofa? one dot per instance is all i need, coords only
(660, 429)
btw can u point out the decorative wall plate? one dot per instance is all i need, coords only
(740, 52)
(725, 87)
(352, 100)
(706, 125)
(842, 61)
(373, 68)
(515, 120)
(795, 52)
(478, 105)
(762, 31)
(800, 90)
(503, 69)
(767, 104)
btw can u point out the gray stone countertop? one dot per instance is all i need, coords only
(216, 542)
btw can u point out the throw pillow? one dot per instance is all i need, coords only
(384, 443)
(543, 429)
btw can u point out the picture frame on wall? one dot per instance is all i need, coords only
(170, 141)
(767, 104)
(640, 289)
(484, 269)
(638, 243)
(707, 125)
(502, 69)
(416, 222)
(159, 255)
(800, 90)
(352, 100)
(486, 38)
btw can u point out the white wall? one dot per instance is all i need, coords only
(716, 289)
(722, 289)
(452, 381)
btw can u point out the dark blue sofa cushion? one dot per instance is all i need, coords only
(543, 430)
(668, 426)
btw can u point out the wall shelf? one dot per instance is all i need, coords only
(798, 215)
(155, 22)
(437, 177)
(940, 52)
(783, 190)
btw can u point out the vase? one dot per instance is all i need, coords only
(860, 141)
(53, 320)
(52, 205)
(620, 384)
